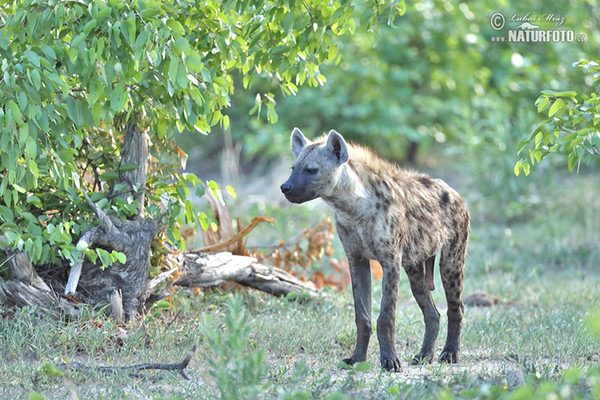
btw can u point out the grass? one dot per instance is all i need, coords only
(542, 263)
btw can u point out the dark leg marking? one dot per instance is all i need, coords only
(429, 273)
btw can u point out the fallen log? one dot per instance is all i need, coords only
(211, 270)
(21, 294)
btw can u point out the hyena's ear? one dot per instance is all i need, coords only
(299, 142)
(337, 145)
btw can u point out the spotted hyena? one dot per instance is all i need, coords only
(397, 217)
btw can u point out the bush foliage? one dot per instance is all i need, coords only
(76, 73)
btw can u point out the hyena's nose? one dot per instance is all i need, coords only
(286, 187)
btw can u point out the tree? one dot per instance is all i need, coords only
(91, 95)
(572, 127)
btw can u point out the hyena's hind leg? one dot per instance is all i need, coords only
(419, 285)
(452, 264)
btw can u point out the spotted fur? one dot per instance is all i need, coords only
(397, 217)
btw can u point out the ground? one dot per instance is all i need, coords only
(542, 262)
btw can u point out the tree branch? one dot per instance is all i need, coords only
(220, 246)
(105, 222)
(179, 367)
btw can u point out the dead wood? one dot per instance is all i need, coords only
(131, 237)
(21, 269)
(21, 294)
(223, 245)
(210, 270)
(132, 369)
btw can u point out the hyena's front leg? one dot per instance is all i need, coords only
(387, 317)
(361, 291)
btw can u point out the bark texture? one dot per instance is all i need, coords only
(130, 278)
(209, 270)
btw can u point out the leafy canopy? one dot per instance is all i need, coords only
(75, 73)
(572, 127)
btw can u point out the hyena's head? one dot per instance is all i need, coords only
(316, 168)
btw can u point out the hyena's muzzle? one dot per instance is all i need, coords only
(298, 189)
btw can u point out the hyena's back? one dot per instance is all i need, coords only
(425, 215)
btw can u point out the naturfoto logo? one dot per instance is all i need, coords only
(529, 28)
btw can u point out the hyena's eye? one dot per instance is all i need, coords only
(312, 171)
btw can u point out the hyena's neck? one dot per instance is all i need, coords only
(351, 193)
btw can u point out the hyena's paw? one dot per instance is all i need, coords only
(353, 360)
(421, 359)
(450, 356)
(391, 362)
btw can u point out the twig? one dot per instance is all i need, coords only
(179, 367)
(236, 237)
(171, 323)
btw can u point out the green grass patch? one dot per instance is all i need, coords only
(541, 341)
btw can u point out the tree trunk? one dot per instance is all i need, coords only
(135, 152)
(130, 278)
(131, 237)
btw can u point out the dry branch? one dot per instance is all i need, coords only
(210, 270)
(131, 369)
(220, 246)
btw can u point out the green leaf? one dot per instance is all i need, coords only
(542, 103)
(15, 111)
(559, 94)
(162, 305)
(35, 396)
(18, 188)
(89, 26)
(175, 26)
(128, 167)
(48, 52)
(104, 257)
(36, 79)
(120, 257)
(109, 176)
(34, 200)
(555, 107)
(362, 366)
(51, 370)
(173, 69)
(194, 61)
(32, 57)
(182, 45)
(102, 15)
(572, 161)
(130, 22)
(6, 214)
(401, 7)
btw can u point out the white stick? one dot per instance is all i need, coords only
(84, 242)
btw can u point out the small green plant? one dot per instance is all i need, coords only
(237, 372)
